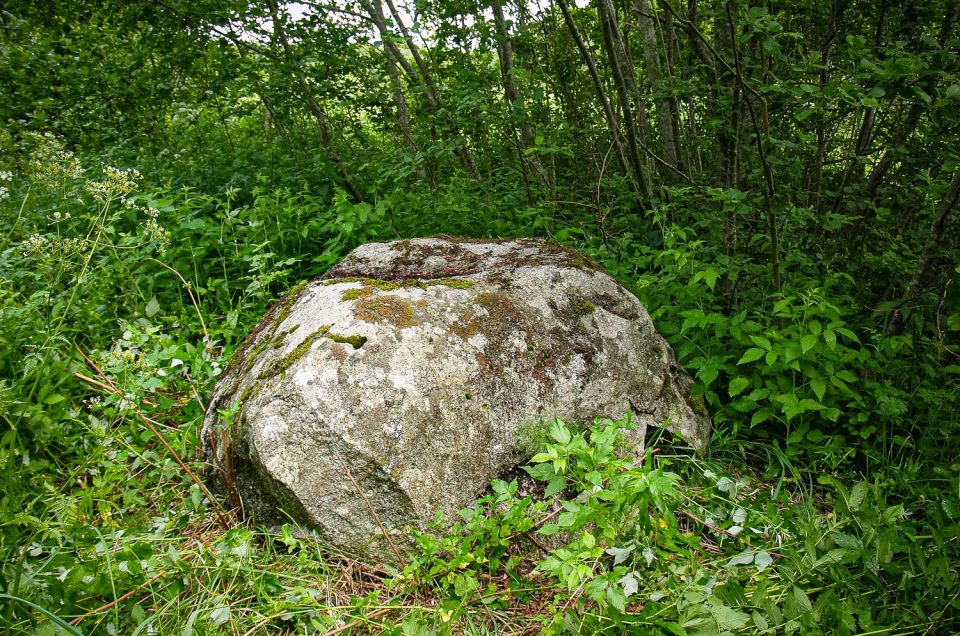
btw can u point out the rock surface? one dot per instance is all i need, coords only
(413, 370)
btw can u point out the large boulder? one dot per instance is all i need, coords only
(413, 372)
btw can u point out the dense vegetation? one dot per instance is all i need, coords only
(776, 181)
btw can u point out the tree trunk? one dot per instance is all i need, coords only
(318, 112)
(913, 116)
(670, 55)
(419, 76)
(626, 91)
(403, 114)
(934, 237)
(511, 92)
(729, 137)
(648, 32)
(613, 126)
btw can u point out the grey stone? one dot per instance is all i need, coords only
(412, 371)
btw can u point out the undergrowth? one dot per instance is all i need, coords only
(828, 503)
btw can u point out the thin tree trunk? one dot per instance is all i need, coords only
(462, 150)
(626, 93)
(414, 50)
(814, 172)
(613, 126)
(648, 32)
(511, 92)
(934, 237)
(419, 76)
(729, 136)
(692, 28)
(403, 114)
(670, 55)
(319, 114)
(913, 116)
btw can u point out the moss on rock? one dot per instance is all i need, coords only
(385, 308)
(284, 363)
(354, 341)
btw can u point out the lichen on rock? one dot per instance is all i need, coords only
(427, 367)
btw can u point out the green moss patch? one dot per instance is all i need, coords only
(391, 285)
(698, 404)
(298, 352)
(257, 340)
(355, 341)
(455, 283)
(382, 285)
(385, 308)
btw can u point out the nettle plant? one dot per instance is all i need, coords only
(799, 371)
(70, 247)
(620, 557)
(620, 510)
(795, 367)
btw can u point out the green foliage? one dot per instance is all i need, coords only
(163, 179)
(637, 547)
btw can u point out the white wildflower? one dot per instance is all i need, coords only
(116, 184)
(36, 245)
(157, 233)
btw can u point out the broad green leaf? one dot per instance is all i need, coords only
(219, 615)
(751, 355)
(819, 386)
(710, 276)
(759, 621)
(629, 584)
(616, 598)
(152, 308)
(556, 484)
(762, 560)
(619, 554)
(857, 494)
(744, 558)
(728, 618)
(830, 337)
(737, 386)
(707, 375)
(560, 432)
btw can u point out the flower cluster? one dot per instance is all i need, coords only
(53, 164)
(5, 176)
(131, 204)
(157, 233)
(55, 248)
(116, 184)
(119, 359)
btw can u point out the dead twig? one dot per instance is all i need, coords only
(152, 426)
(120, 599)
(189, 288)
(373, 512)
